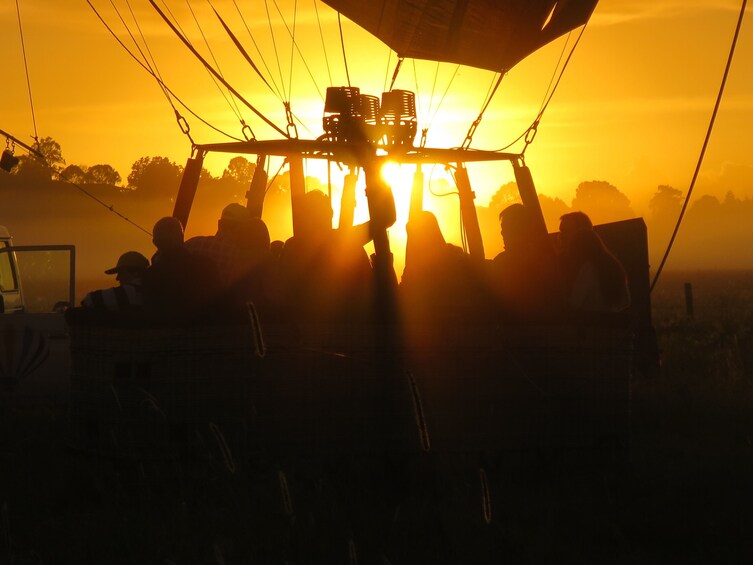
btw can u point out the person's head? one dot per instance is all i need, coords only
(276, 247)
(256, 234)
(571, 224)
(518, 226)
(129, 268)
(315, 214)
(167, 234)
(233, 220)
(424, 231)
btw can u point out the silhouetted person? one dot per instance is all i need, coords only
(525, 277)
(179, 286)
(276, 248)
(326, 274)
(595, 279)
(439, 283)
(228, 247)
(127, 295)
(260, 271)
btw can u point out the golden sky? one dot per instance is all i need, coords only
(632, 107)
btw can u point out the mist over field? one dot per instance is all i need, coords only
(103, 219)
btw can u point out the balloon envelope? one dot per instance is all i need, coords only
(488, 34)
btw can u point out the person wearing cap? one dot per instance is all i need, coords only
(127, 295)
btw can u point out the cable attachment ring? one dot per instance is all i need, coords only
(185, 128)
(471, 131)
(531, 134)
(247, 132)
(291, 128)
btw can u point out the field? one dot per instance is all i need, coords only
(681, 492)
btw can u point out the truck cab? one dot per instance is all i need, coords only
(11, 295)
(37, 283)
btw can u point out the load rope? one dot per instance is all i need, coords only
(703, 148)
(41, 158)
(26, 69)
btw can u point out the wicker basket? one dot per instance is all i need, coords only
(158, 392)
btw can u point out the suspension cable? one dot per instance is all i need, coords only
(231, 101)
(530, 132)
(387, 68)
(342, 45)
(398, 66)
(276, 89)
(490, 94)
(292, 44)
(239, 46)
(277, 56)
(295, 45)
(703, 148)
(26, 68)
(182, 123)
(418, 98)
(324, 49)
(215, 73)
(153, 64)
(228, 99)
(160, 82)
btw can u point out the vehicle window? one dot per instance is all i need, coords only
(7, 274)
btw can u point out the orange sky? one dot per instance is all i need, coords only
(632, 108)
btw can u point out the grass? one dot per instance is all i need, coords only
(682, 493)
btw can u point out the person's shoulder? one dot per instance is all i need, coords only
(99, 298)
(199, 243)
(198, 239)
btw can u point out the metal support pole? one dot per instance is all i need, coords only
(468, 212)
(528, 192)
(297, 189)
(258, 188)
(188, 185)
(348, 200)
(417, 193)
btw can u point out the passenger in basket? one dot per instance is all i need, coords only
(241, 251)
(179, 286)
(595, 279)
(325, 273)
(128, 294)
(439, 283)
(525, 277)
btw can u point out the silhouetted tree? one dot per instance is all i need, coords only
(506, 194)
(240, 170)
(74, 174)
(32, 169)
(665, 204)
(553, 209)
(602, 201)
(155, 176)
(102, 174)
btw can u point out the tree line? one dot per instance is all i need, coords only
(149, 176)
